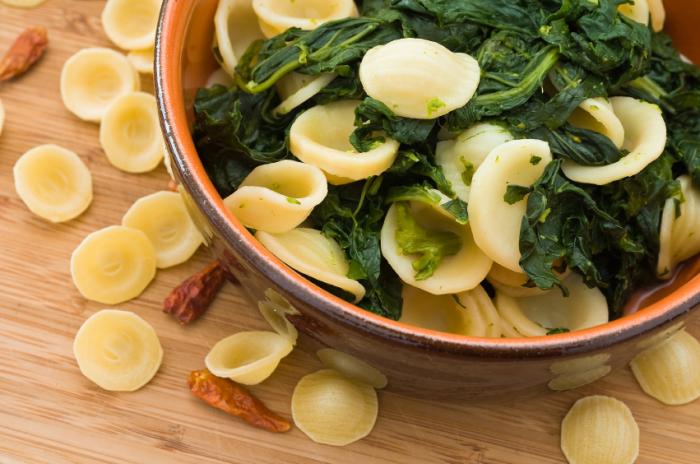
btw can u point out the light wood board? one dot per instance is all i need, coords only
(49, 413)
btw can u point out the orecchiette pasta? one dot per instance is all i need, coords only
(131, 24)
(597, 114)
(351, 367)
(482, 318)
(418, 78)
(332, 409)
(117, 350)
(511, 283)
(93, 78)
(236, 27)
(495, 223)
(459, 158)
(113, 265)
(53, 182)
(248, 357)
(670, 370)
(536, 315)
(142, 60)
(278, 197)
(320, 136)
(638, 10)
(575, 373)
(456, 273)
(162, 216)
(645, 138)
(658, 14)
(310, 87)
(219, 77)
(599, 430)
(679, 237)
(276, 16)
(275, 310)
(130, 133)
(311, 253)
(434, 312)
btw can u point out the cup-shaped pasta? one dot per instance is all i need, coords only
(679, 239)
(459, 272)
(308, 87)
(276, 16)
(536, 315)
(93, 78)
(418, 78)
(131, 24)
(495, 222)
(163, 217)
(670, 371)
(658, 14)
(113, 265)
(53, 182)
(311, 253)
(130, 133)
(320, 136)
(638, 11)
(598, 115)
(576, 373)
(275, 310)
(600, 430)
(142, 60)
(459, 158)
(645, 139)
(219, 77)
(277, 197)
(351, 367)
(117, 350)
(248, 357)
(511, 283)
(236, 27)
(332, 409)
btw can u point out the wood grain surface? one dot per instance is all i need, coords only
(49, 413)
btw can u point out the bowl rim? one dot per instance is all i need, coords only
(172, 24)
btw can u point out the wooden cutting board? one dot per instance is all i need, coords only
(49, 413)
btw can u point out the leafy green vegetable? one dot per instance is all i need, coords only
(558, 330)
(515, 193)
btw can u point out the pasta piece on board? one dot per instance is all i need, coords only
(598, 115)
(645, 139)
(418, 78)
(93, 78)
(494, 221)
(460, 157)
(236, 27)
(163, 217)
(311, 253)
(679, 235)
(276, 16)
(670, 371)
(130, 133)
(248, 357)
(276, 309)
(278, 197)
(131, 24)
(113, 265)
(117, 350)
(599, 430)
(320, 137)
(351, 367)
(332, 409)
(142, 60)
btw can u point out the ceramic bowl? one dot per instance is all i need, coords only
(415, 361)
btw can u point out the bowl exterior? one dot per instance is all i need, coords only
(416, 361)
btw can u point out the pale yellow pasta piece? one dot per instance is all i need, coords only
(142, 60)
(494, 222)
(117, 350)
(113, 265)
(332, 409)
(460, 157)
(219, 77)
(53, 182)
(482, 318)
(457, 273)
(305, 93)
(598, 115)
(131, 24)
(670, 371)
(311, 253)
(435, 312)
(679, 235)
(130, 133)
(352, 367)
(276, 16)
(275, 310)
(278, 197)
(236, 28)
(163, 217)
(418, 78)
(248, 357)
(658, 14)
(600, 430)
(511, 283)
(320, 136)
(645, 139)
(93, 78)
(582, 364)
(23, 3)
(638, 11)
(2, 116)
(574, 380)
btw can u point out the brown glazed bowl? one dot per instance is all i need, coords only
(415, 361)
